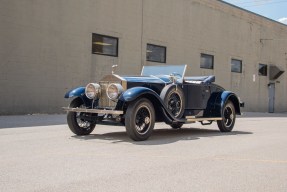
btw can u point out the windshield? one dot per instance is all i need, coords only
(176, 70)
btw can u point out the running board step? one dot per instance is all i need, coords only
(194, 119)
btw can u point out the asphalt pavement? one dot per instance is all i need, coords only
(39, 153)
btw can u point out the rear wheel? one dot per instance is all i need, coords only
(228, 118)
(140, 119)
(76, 124)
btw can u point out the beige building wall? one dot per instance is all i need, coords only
(45, 47)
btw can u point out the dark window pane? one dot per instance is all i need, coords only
(236, 66)
(206, 61)
(156, 53)
(105, 45)
(262, 70)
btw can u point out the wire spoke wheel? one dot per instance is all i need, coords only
(75, 120)
(82, 123)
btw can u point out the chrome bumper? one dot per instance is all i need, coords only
(101, 111)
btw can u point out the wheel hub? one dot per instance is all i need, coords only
(174, 104)
(142, 120)
(147, 120)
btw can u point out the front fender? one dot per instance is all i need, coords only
(135, 92)
(79, 92)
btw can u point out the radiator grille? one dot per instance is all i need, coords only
(104, 101)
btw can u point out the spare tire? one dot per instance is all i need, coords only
(173, 98)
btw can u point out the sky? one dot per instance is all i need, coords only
(273, 9)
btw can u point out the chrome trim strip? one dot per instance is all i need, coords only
(102, 111)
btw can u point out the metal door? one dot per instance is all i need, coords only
(271, 91)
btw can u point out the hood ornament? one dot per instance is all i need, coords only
(113, 68)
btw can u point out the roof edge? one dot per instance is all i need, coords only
(272, 20)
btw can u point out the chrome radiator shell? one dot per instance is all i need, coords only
(104, 101)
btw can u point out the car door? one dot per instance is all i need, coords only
(197, 96)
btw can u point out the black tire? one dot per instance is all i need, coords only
(77, 125)
(229, 117)
(176, 125)
(140, 119)
(173, 98)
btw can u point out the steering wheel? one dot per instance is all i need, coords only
(175, 76)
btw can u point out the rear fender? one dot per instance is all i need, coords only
(79, 92)
(223, 98)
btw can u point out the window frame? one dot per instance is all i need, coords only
(160, 46)
(232, 59)
(106, 36)
(260, 74)
(209, 55)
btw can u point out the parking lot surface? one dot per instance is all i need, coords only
(39, 153)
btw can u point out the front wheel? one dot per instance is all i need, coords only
(140, 119)
(228, 118)
(75, 123)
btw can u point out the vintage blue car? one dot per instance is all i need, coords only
(159, 94)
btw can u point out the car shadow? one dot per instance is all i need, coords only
(161, 136)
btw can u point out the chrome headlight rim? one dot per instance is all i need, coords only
(93, 91)
(114, 91)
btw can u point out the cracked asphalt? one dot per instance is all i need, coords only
(39, 153)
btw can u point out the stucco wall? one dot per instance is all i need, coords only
(45, 47)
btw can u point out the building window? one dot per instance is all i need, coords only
(236, 66)
(206, 61)
(156, 53)
(262, 70)
(105, 45)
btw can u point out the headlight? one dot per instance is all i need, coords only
(93, 90)
(114, 91)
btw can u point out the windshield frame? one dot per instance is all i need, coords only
(165, 70)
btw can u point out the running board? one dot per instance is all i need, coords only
(194, 119)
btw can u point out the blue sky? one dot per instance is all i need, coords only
(273, 9)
